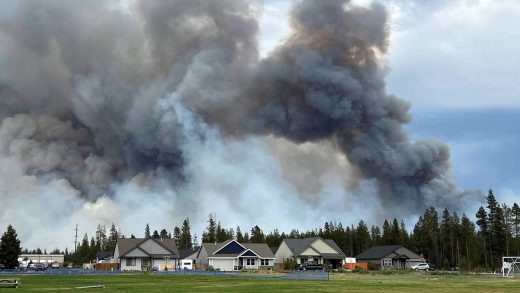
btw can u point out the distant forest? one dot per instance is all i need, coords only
(448, 239)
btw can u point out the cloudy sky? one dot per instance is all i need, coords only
(457, 63)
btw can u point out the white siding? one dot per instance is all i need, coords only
(137, 266)
(282, 253)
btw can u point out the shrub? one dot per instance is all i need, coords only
(290, 264)
(360, 270)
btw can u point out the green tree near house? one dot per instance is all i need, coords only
(209, 236)
(185, 237)
(147, 234)
(164, 234)
(257, 235)
(10, 248)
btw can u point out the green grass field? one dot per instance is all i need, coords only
(413, 282)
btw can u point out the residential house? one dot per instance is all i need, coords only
(389, 257)
(234, 256)
(313, 249)
(141, 254)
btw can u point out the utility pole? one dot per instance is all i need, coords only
(76, 239)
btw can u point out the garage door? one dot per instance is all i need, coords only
(223, 264)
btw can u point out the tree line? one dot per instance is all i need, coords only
(446, 239)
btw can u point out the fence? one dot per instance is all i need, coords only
(297, 275)
(107, 266)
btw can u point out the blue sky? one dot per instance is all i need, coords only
(457, 62)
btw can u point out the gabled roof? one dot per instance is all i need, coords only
(260, 249)
(378, 252)
(125, 245)
(104, 254)
(297, 246)
(184, 253)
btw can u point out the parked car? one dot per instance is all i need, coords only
(432, 267)
(55, 265)
(70, 266)
(421, 267)
(310, 265)
(40, 267)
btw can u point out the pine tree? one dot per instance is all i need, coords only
(396, 232)
(375, 235)
(221, 234)
(163, 234)
(177, 236)
(497, 230)
(482, 222)
(112, 238)
(147, 233)
(515, 210)
(239, 236)
(387, 233)
(10, 248)
(257, 235)
(209, 236)
(186, 235)
(92, 250)
(362, 238)
(155, 235)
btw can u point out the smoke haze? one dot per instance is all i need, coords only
(165, 111)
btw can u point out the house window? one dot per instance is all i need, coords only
(387, 262)
(130, 262)
(250, 261)
(264, 262)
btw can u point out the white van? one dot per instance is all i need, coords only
(186, 264)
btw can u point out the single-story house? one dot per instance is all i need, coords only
(312, 249)
(390, 257)
(231, 255)
(142, 254)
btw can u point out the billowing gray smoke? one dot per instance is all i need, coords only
(164, 107)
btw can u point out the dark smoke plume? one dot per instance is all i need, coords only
(326, 82)
(103, 102)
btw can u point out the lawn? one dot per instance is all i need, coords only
(413, 282)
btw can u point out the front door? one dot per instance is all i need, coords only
(145, 264)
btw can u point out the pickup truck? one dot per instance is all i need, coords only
(310, 265)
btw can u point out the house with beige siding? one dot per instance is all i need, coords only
(312, 249)
(141, 254)
(231, 255)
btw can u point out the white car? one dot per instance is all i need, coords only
(421, 266)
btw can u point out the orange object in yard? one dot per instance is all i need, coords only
(351, 266)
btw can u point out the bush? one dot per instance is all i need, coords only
(290, 264)
(360, 270)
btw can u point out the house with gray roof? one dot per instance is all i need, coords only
(314, 249)
(231, 255)
(390, 257)
(142, 254)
